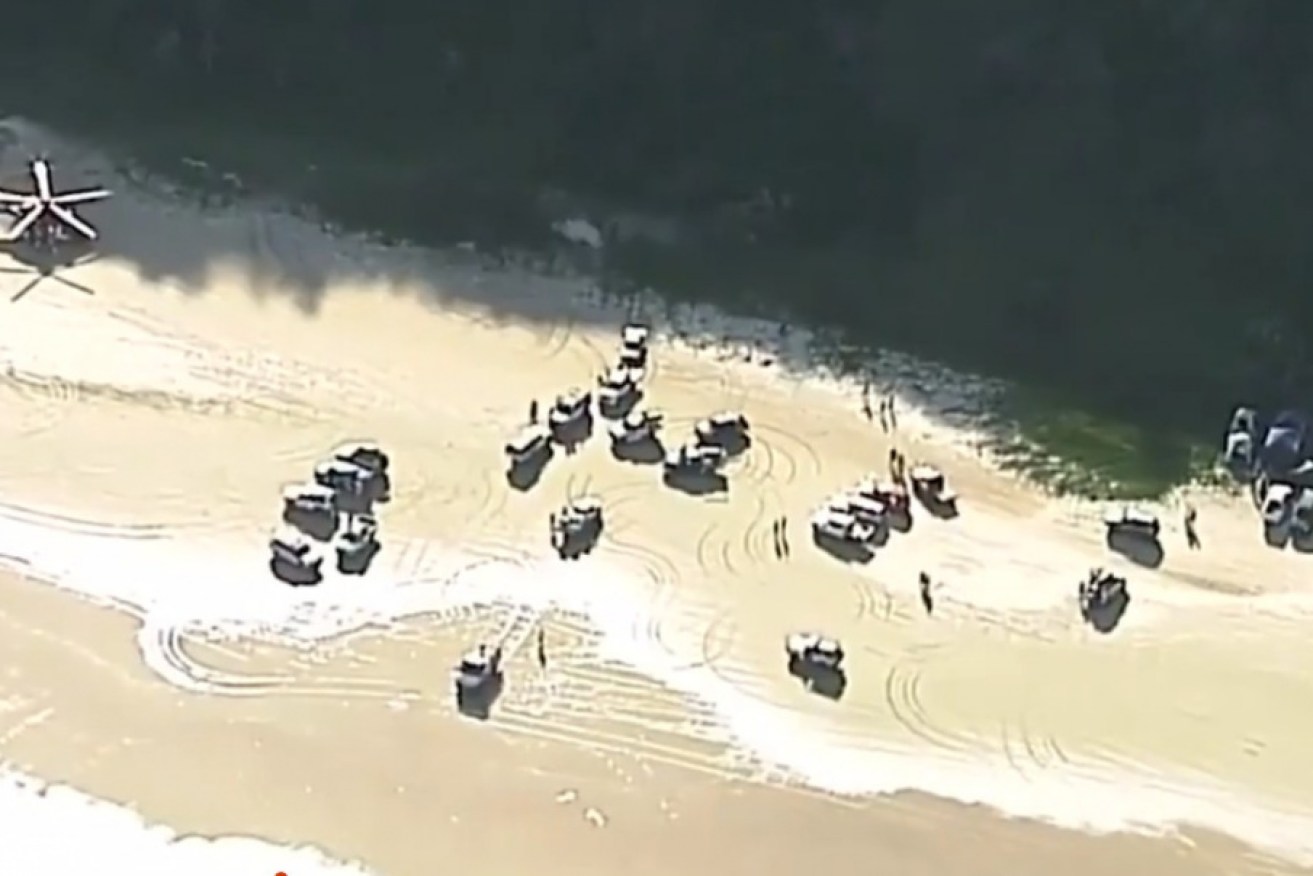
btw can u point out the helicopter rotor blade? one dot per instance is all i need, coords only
(7, 197)
(82, 196)
(72, 220)
(73, 284)
(27, 287)
(22, 225)
(41, 175)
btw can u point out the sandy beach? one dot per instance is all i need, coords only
(151, 659)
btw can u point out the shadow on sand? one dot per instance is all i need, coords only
(295, 576)
(357, 562)
(574, 435)
(296, 257)
(620, 409)
(1143, 551)
(39, 264)
(1277, 537)
(649, 452)
(477, 702)
(1302, 543)
(1104, 617)
(695, 484)
(828, 682)
(844, 551)
(526, 475)
(317, 525)
(940, 510)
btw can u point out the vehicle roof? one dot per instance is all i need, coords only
(528, 435)
(339, 464)
(1130, 514)
(924, 470)
(307, 490)
(834, 515)
(352, 447)
(291, 538)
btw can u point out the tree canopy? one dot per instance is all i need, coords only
(1113, 194)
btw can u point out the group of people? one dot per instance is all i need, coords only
(888, 419)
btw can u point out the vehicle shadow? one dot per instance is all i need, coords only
(295, 576)
(1139, 549)
(901, 521)
(1105, 617)
(620, 409)
(825, 682)
(358, 562)
(938, 509)
(1302, 543)
(649, 452)
(526, 475)
(317, 525)
(844, 551)
(478, 702)
(696, 484)
(736, 444)
(1278, 537)
(573, 435)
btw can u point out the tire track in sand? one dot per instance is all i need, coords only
(1028, 752)
(718, 551)
(902, 694)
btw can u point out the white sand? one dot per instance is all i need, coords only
(145, 431)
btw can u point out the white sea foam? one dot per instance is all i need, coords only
(222, 586)
(40, 820)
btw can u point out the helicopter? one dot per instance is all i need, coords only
(44, 216)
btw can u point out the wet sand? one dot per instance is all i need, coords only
(410, 790)
(156, 420)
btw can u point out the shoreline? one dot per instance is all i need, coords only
(582, 796)
(769, 744)
(286, 395)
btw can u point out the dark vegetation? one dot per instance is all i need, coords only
(1108, 200)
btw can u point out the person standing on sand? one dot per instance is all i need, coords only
(533, 412)
(927, 598)
(542, 649)
(893, 419)
(884, 416)
(1191, 534)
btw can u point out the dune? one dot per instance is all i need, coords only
(146, 429)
